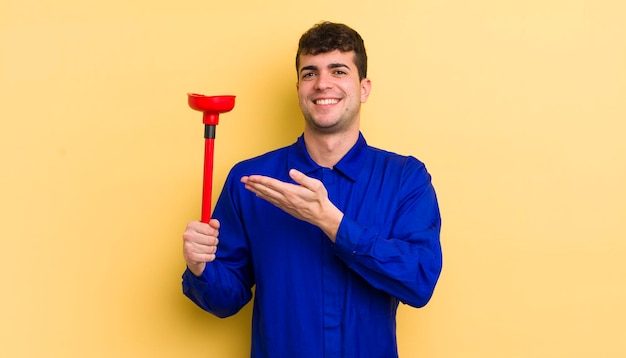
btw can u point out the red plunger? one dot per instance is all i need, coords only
(211, 106)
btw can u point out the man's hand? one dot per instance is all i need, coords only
(307, 201)
(200, 244)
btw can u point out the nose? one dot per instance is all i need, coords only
(323, 82)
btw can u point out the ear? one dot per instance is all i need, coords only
(366, 87)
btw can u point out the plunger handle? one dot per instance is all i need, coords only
(207, 188)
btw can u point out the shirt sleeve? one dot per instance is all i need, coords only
(225, 286)
(403, 256)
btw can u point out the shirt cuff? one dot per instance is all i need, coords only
(204, 279)
(348, 237)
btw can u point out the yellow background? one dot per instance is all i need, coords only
(517, 108)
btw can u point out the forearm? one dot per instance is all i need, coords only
(406, 267)
(214, 292)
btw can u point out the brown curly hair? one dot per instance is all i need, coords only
(329, 36)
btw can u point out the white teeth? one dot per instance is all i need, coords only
(326, 101)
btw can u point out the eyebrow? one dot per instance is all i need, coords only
(338, 65)
(332, 65)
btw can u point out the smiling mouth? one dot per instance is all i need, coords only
(326, 101)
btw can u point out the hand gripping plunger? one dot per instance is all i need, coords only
(211, 106)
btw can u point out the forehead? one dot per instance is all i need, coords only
(328, 58)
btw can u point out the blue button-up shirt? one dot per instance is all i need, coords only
(315, 298)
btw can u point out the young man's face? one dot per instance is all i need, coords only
(330, 92)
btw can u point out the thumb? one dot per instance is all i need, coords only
(297, 176)
(305, 181)
(214, 223)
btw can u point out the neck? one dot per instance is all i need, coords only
(327, 149)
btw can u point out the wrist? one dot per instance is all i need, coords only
(330, 222)
(197, 269)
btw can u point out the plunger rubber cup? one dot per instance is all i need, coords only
(211, 107)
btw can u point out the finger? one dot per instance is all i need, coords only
(263, 186)
(305, 181)
(193, 239)
(208, 229)
(196, 252)
(260, 180)
(201, 258)
(199, 227)
(202, 242)
(198, 243)
(204, 250)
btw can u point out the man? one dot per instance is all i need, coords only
(333, 233)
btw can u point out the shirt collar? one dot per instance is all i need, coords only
(350, 165)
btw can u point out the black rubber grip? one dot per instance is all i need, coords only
(209, 131)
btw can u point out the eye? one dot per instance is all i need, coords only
(340, 73)
(307, 75)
